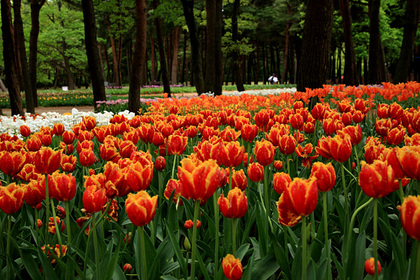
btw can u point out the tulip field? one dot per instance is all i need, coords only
(228, 187)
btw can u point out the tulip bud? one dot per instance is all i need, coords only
(187, 244)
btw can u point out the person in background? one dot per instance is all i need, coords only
(275, 80)
(270, 79)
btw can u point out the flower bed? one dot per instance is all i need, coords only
(246, 186)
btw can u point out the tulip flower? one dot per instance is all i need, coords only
(234, 205)
(264, 152)
(255, 172)
(58, 129)
(302, 196)
(177, 144)
(47, 160)
(11, 198)
(410, 216)
(141, 209)
(68, 137)
(239, 179)
(68, 163)
(377, 179)
(62, 186)
(11, 162)
(94, 197)
(281, 182)
(139, 176)
(370, 266)
(199, 179)
(173, 186)
(232, 267)
(25, 131)
(87, 157)
(409, 159)
(249, 132)
(231, 154)
(286, 216)
(58, 251)
(160, 163)
(189, 224)
(325, 176)
(34, 191)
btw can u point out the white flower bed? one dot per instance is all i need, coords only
(261, 92)
(12, 124)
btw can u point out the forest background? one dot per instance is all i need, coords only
(204, 43)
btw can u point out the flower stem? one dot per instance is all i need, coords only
(304, 247)
(142, 251)
(57, 230)
(346, 203)
(217, 225)
(266, 196)
(9, 265)
(375, 235)
(95, 245)
(68, 224)
(194, 238)
(327, 249)
(418, 260)
(234, 236)
(36, 227)
(47, 209)
(160, 187)
(173, 167)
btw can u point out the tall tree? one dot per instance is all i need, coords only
(411, 22)
(20, 41)
(196, 55)
(213, 79)
(286, 47)
(36, 6)
(139, 57)
(9, 56)
(163, 65)
(237, 66)
(350, 71)
(92, 52)
(313, 63)
(377, 67)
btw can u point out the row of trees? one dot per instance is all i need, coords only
(203, 42)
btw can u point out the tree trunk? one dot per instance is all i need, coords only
(153, 58)
(184, 58)
(163, 67)
(257, 64)
(30, 107)
(174, 71)
(94, 63)
(237, 70)
(286, 48)
(108, 69)
(377, 68)
(264, 54)
(196, 55)
(10, 70)
(139, 57)
(412, 15)
(2, 86)
(115, 74)
(350, 71)
(316, 42)
(214, 79)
